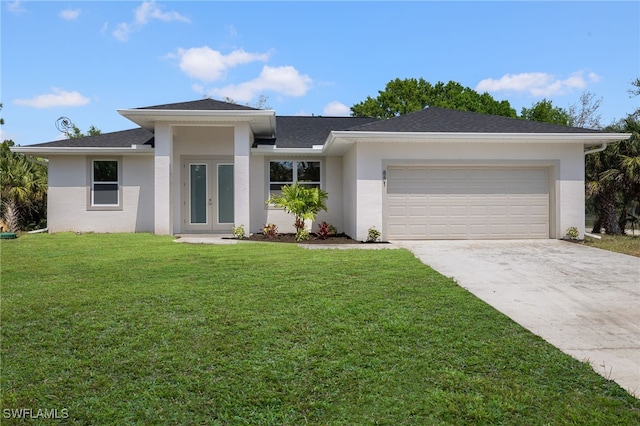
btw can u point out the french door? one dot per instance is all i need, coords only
(207, 195)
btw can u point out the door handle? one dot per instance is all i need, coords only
(210, 203)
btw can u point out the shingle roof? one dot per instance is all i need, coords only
(123, 138)
(201, 105)
(306, 131)
(444, 120)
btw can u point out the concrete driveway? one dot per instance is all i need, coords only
(583, 300)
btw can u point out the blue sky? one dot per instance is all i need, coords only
(83, 60)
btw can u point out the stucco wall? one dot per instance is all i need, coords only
(565, 162)
(191, 142)
(261, 214)
(68, 199)
(349, 206)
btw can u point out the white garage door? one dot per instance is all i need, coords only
(467, 203)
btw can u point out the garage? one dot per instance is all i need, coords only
(432, 202)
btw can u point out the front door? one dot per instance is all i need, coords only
(207, 195)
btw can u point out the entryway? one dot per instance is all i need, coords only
(207, 195)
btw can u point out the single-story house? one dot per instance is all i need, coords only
(206, 166)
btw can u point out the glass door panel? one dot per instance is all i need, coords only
(225, 193)
(198, 193)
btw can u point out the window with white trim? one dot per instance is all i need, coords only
(287, 172)
(105, 183)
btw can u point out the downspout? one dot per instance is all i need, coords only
(598, 149)
(36, 161)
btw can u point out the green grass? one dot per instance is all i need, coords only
(135, 329)
(626, 244)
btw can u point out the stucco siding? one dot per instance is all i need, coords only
(190, 142)
(69, 194)
(349, 180)
(565, 162)
(261, 213)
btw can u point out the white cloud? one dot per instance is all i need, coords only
(537, 83)
(336, 108)
(122, 31)
(285, 80)
(144, 13)
(70, 14)
(58, 98)
(150, 10)
(206, 64)
(15, 7)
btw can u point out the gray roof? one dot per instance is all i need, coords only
(123, 138)
(445, 120)
(306, 131)
(202, 105)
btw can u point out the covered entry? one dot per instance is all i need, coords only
(432, 202)
(207, 196)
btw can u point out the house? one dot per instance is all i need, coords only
(205, 166)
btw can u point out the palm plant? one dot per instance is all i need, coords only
(303, 203)
(23, 190)
(613, 179)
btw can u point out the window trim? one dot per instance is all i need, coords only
(294, 170)
(91, 206)
(267, 186)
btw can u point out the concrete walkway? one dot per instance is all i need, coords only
(583, 300)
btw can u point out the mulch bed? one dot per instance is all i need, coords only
(291, 238)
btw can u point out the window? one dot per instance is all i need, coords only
(288, 172)
(105, 183)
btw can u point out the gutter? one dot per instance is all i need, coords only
(69, 150)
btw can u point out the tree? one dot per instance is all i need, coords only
(635, 91)
(75, 132)
(408, 95)
(585, 113)
(545, 111)
(261, 103)
(613, 178)
(23, 189)
(303, 203)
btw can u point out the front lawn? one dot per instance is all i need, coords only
(135, 329)
(626, 244)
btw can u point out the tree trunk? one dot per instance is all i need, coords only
(11, 216)
(608, 214)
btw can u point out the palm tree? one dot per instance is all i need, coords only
(23, 190)
(303, 203)
(613, 179)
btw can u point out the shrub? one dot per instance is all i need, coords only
(270, 230)
(302, 234)
(238, 232)
(572, 233)
(373, 235)
(325, 229)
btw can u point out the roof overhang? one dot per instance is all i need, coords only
(274, 150)
(340, 142)
(44, 151)
(262, 122)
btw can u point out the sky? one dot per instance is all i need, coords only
(83, 60)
